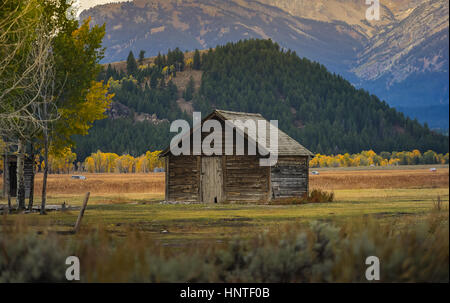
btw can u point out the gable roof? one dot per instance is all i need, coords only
(286, 145)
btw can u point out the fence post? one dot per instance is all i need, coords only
(80, 216)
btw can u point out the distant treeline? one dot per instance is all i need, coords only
(369, 158)
(101, 162)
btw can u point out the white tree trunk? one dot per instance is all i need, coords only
(31, 197)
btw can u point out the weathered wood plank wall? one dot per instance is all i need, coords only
(245, 180)
(240, 178)
(183, 179)
(290, 177)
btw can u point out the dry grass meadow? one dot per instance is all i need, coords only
(422, 177)
(328, 179)
(99, 184)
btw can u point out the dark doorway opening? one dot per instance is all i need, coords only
(13, 179)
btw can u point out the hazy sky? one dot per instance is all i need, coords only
(85, 4)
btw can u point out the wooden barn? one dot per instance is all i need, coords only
(11, 186)
(237, 178)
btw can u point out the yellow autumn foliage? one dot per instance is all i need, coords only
(370, 158)
(100, 162)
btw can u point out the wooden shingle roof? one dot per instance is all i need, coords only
(286, 145)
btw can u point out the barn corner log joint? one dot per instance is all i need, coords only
(237, 178)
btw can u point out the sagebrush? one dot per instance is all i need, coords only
(320, 252)
(314, 196)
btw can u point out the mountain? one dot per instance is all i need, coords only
(157, 25)
(405, 57)
(402, 58)
(408, 63)
(323, 111)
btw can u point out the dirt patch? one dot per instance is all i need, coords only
(389, 214)
(185, 106)
(238, 219)
(182, 79)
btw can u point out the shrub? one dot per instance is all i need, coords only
(315, 196)
(318, 252)
(29, 258)
(320, 196)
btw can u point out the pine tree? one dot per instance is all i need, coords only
(159, 60)
(190, 90)
(197, 62)
(131, 64)
(141, 57)
(154, 80)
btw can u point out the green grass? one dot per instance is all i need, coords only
(219, 222)
(77, 200)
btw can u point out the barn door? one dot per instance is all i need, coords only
(212, 180)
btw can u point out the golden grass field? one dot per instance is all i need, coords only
(104, 184)
(329, 180)
(380, 179)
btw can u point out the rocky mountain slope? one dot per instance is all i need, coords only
(402, 58)
(157, 25)
(413, 53)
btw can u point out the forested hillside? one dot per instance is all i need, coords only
(402, 58)
(321, 110)
(144, 103)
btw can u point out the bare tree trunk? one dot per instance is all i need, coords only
(7, 178)
(31, 197)
(44, 181)
(5, 175)
(20, 175)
